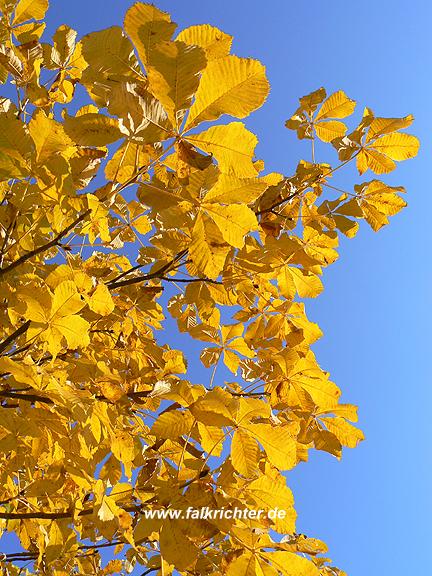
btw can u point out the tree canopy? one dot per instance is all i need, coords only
(133, 213)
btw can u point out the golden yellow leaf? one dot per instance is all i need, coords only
(147, 26)
(122, 446)
(74, 329)
(234, 221)
(215, 42)
(244, 453)
(176, 548)
(211, 438)
(308, 285)
(101, 301)
(346, 433)
(92, 129)
(66, 300)
(380, 126)
(229, 85)
(244, 565)
(109, 52)
(173, 424)
(290, 564)
(108, 509)
(329, 130)
(232, 145)
(377, 162)
(397, 146)
(232, 190)
(48, 135)
(272, 494)
(338, 105)
(279, 444)
(28, 9)
(207, 250)
(173, 74)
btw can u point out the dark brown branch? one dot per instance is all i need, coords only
(25, 556)
(54, 515)
(26, 397)
(114, 283)
(190, 280)
(54, 242)
(11, 339)
(278, 203)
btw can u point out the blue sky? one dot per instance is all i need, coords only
(374, 507)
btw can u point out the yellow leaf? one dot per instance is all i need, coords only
(122, 446)
(147, 26)
(308, 285)
(232, 190)
(216, 408)
(66, 300)
(377, 162)
(142, 224)
(232, 145)
(173, 424)
(101, 301)
(234, 221)
(126, 161)
(244, 453)
(229, 85)
(175, 546)
(15, 140)
(346, 433)
(207, 250)
(28, 9)
(380, 126)
(211, 438)
(278, 443)
(290, 564)
(329, 130)
(173, 74)
(109, 52)
(215, 42)
(55, 542)
(142, 117)
(48, 135)
(269, 494)
(74, 329)
(338, 105)
(108, 509)
(92, 129)
(398, 146)
(244, 565)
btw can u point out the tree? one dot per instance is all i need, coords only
(131, 205)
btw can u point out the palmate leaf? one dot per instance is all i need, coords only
(118, 210)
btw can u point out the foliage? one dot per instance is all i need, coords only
(125, 206)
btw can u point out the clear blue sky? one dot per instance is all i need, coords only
(374, 507)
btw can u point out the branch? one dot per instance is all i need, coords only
(26, 397)
(25, 556)
(278, 203)
(10, 339)
(45, 247)
(114, 283)
(189, 280)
